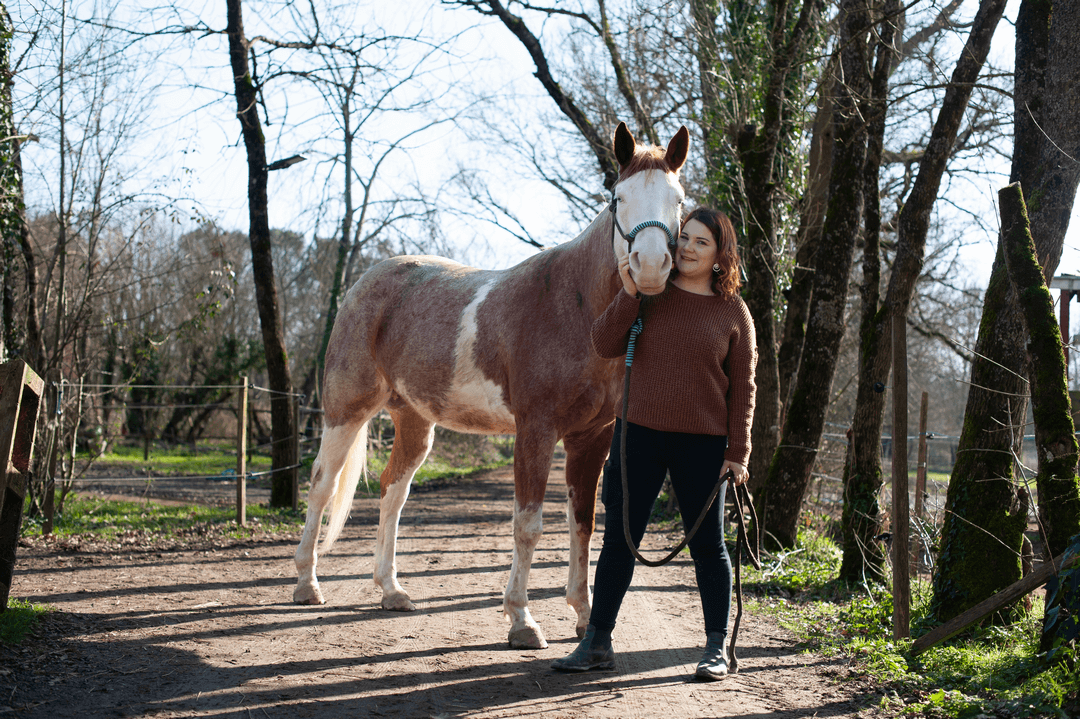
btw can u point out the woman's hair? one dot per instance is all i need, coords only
(728, 280)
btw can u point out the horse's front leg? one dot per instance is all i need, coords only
(413, 437)
(533, 449)
(585, 456)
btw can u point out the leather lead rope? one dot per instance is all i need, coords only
(743, 540)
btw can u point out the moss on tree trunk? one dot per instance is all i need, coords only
(1055, 441)
(985, 513)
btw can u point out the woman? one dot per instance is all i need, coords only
(690, 410)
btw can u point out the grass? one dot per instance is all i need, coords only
(989, 672)
(110, 520)
(18, 620)
(179, 460)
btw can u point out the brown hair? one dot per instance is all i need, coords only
(728, 280)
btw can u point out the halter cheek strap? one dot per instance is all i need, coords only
(629, 236)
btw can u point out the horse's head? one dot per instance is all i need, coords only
(647, 206)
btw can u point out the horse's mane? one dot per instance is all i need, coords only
(646, 158)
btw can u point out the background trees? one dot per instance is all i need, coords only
(843, 137)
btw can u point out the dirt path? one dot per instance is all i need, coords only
(210, 631)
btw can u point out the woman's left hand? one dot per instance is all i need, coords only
(740, 472)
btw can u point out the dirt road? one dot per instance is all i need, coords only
(209, 630)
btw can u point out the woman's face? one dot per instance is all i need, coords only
(695, 251)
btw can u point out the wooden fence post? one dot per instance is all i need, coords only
(900, 511)
(296, 454)
(241, 452)
(920, 480)
(20, 399)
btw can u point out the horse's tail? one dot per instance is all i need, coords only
(354, 468)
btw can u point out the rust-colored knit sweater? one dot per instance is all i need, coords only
(693, 363)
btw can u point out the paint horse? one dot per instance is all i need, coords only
(494, 352)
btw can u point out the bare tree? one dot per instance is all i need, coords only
(863, 480)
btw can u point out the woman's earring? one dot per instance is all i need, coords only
(716, 267)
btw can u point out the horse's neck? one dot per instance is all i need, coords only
(591, 258)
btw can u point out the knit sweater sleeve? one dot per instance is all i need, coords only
(611, 330)
(741, 363)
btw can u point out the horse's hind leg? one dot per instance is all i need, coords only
(335, 451)
(413, 436)
(585, 455)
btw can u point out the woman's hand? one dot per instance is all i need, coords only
(740, 472)
(624, 273)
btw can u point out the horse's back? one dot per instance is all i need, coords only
(398, 331)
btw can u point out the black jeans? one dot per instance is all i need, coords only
(694, 461)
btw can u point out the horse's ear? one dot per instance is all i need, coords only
(624, 145)
(678, 148)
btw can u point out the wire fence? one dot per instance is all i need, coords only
(102, 425)
(98, 429)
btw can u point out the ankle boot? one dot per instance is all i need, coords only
(713, 664)
(591, 655)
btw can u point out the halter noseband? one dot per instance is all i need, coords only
(629, 236)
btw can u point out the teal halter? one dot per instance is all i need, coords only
(629, 236)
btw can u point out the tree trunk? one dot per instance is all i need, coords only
(10, 199)
(981, 492)
(337, 287)
(863, 467)
(789, 471)
(757, 150)
(812, 215)
(756, 156)
(1048, 73)
(277, 360)
(863, 477)
(1055, 441)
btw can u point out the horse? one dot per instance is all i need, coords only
(491, 352)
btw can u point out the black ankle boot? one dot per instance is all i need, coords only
(591, 655)
(713, 664)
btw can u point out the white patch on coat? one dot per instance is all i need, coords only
(528, 525)
(473, 403)
(470, 390)
(385, 573)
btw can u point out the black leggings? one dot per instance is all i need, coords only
(694, 461)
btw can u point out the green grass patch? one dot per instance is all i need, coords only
(19, 620)
(990, 672)
(455, 457)
(179, 460)
(433, 469)
(110, 519)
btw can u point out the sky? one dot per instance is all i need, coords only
(201, 156)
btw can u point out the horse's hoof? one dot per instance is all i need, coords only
(307, 595)
(580, 631)
(398, 603)
(527, 638)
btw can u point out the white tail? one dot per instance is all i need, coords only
(354, 468)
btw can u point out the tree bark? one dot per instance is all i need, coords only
(982, 498)
(812, 216)
(863, 474)
(789, 470)
(757, 150)
(266, 297)
(1055, 441)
